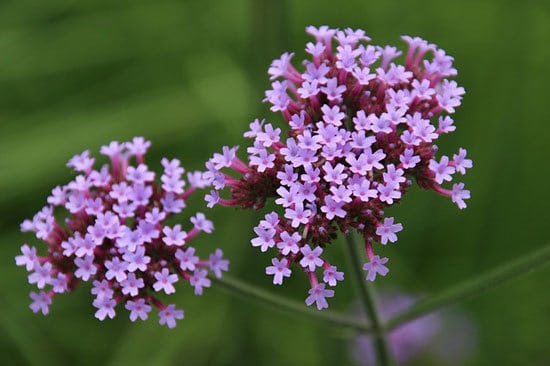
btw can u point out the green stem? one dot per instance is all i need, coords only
(261, 296)
(477, 285)
(366, 293)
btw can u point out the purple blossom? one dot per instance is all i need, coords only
(102, 289)
(139, 175)
(460, 161)
(201, 223)
(172, 204)
(333, 91)
(131, 285)
(331, 275)
(459, 194)
(265, 238)
(408, 159)
(40, 302)
(217, 264)
(116, 269)
(81, 163)
(28, 257)
(318, 295)
(174, 236)
(361, 129)
(375, 266)
(138, 146)
(165, 281)
(105, 308)
(86, 267)
(334, 174)
(187, 259)
(137, 260)
(59, 283)
(278, 270)
(333, 208)
(332, 115)
(388, 193)
(289, 243)
(41, 275)
(114, 233)
(442, 170)
(199, 280)
(387, 230)
(311, 257)
(298, 215)
(169, 315)
(138, 309)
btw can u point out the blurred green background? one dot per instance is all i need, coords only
(189, 76)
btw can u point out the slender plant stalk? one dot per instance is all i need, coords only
(500, 275)
(261, 296)
(367, 296)
(488, 280)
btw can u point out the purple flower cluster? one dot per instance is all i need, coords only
(362, 127)
(108, 227)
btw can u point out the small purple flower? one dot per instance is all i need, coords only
(41, 275)
(217, 264)
(318, 295)
(187, 259)
(102, 289)
(298, 215)
(137, 260)
(40, 302)
(131, 285)
(86, 267)
(165, 281)
(387, 230)
(376, 266)
(459, 194)
(443, 170)
(169, 315)
(59, 283)
(333, 208)
(311, 258)
(460, 161)
(278, 270)
(199, 280)
(265, 238)
(289, 243)
(105, 308)
(201, 223)
(116, 269)
(174, 236)
(138, 309)
(28, 257)
(331, 275)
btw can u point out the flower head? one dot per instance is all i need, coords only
(113, 233)
(361, 129)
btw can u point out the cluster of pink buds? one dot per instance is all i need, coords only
(361, 129)
(108, 227)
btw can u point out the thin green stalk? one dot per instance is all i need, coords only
(367, 296)
(261, 296)
(475, 286)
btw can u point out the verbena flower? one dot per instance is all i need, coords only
(448, 337)
(361, 127)
(108, 227)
